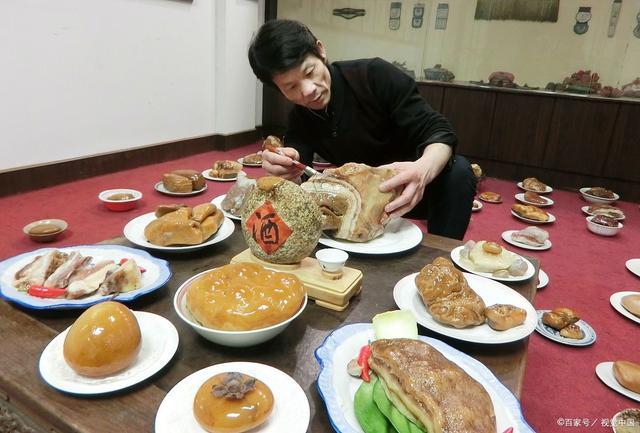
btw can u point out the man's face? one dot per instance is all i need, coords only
(308, 84)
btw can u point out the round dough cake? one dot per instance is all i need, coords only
(244, 297)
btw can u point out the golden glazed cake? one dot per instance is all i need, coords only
(244, 297)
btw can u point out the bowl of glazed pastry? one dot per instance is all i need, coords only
(46, 230)
(603, 225)
(120, 199)
(240, 304)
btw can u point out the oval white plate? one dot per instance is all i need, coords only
(246, 164)
(407, 297)
(290, 413)
(160, 188)
(218, 202)
(553, 334)
(543, 279)
(159, 344)
(604, 371)
(530, 221)
(399, 235)
(585, 209)
(634, 266)
(455, 256)
(206, 175)
(337, 388)
(520, 198)
(616, 302)
(156, 275)
(595, 198)
(506, 236)
(134, 232)
(478, 205)
(547, 191)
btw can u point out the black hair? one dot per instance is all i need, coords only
(279, 46)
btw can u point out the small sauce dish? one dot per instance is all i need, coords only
(120, 199)
(331, 259)
(46, 230)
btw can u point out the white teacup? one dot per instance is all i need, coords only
(331, 259)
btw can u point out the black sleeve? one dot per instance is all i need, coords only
(296, 138)
(398, 94)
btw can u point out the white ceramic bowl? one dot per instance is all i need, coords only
(56, 227)
(229, 338)
(595, 199)
(602, 230)
(331, 259)
(119, 205)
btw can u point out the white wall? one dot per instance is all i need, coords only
(85, 77)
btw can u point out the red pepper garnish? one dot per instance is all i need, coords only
(46, 292)
(123, 261)
(363, 362)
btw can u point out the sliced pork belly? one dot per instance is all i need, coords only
(38, 270)
(92, 278)
(124, 279)
(60, 277)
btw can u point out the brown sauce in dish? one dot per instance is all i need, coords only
(44, 229)
(121, 196)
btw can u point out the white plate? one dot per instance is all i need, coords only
(156, 275)
(507, 238)
(585, 209)
(520, 198)
(206, 175)
(291, 411)
(547, 191)
(616, 302)
(634, 266)
(218, 202)
(160, 188)
(551, 219)
(406, 296)
(553, 334)
(595, 198)
(399, 235)
(604, 371)
(246, 164)
(543, 279)
(159, 344)
(455, 256)
(134, 232)
(337, 388)
(479, 205)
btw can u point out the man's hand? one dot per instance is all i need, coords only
(282, 164)
(414, 176)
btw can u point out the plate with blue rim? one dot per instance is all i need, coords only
(156, 275)
(588, 338)
(337, 388)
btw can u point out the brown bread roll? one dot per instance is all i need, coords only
(627, 374)
(631, 303)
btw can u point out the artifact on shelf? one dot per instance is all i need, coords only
(237, 195)
(403, 67)
(583, 82)
(438, 73)
(610, 92)
(502, 79)
(632, 89)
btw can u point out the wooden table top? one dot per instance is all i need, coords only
(25, 334)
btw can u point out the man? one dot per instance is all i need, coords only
(365, 111)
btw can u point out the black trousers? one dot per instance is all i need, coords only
(447, 201)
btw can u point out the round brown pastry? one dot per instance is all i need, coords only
(504, 316)
(103, 340)
(243, 297)
(572, 331)
(627, 374)
(631, 303)
(604, 220)
(491, 197)
(559, 318)
(225, 169)
(232, 403)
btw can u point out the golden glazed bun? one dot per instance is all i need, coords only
(103, 340)
(232, 403)
(627, 374)
(504, 316)
(243, 297)
(631, 303)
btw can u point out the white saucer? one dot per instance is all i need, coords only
(206, 175)
(552, 334)
(604, 371)
(218, 202)
(399, 235)
(479, 205)
(547, 191)
(455, 257)
(585, 209)
(134, 232)
(520, 198)
(506, 235)
(634, 266)
(246, 164)
(543, 279)
(530, 221)
(291, 412)
(160, 188)
(159, 344)
(616, 302)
